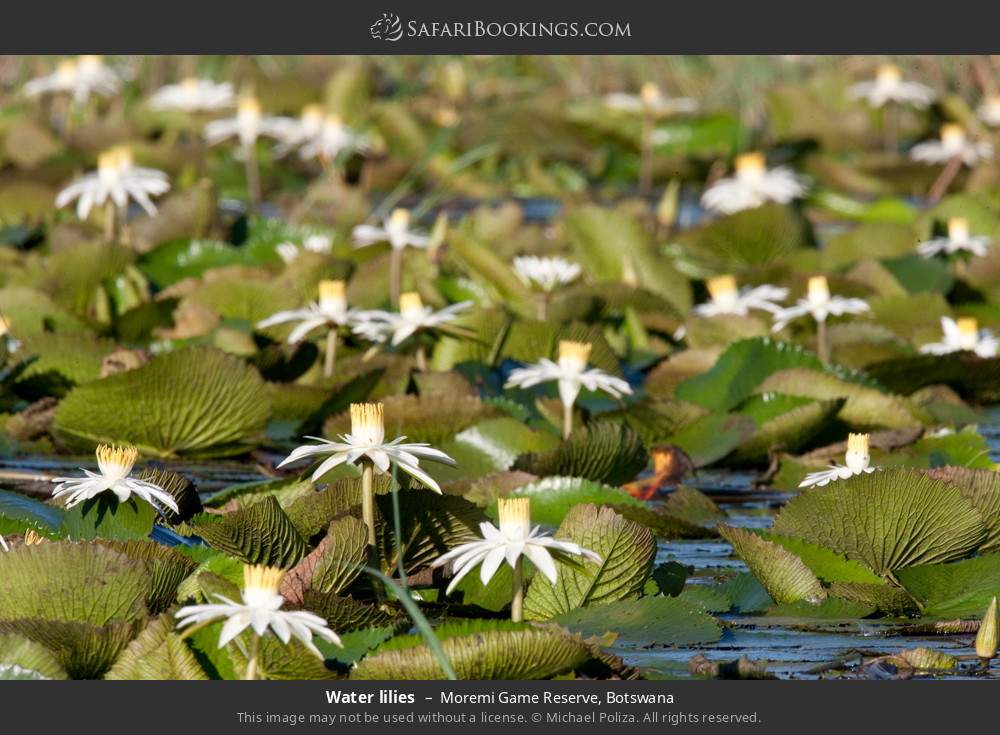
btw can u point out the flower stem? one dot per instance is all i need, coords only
(543, 307)
(111, 222)
(822, 343)
(368, 508)
(331, 353)
(517, 604)
(421, 359)
(252, 170)
(567, 420)
(395, 276)
(646, 156)
(943, 181)
(251, 672)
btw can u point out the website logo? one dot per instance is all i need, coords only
(387, 28)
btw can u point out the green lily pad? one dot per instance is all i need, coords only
(650, 621)
(783, 574)
(603, 452)
(157, 653)
(961, 589)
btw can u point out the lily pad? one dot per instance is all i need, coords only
(650, 621)
(783, 574)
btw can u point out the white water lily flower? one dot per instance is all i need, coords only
(367, 440)
(330, 310)
(380, 326)
(953, 143)
(289, 251)
(571, 372)
(889, 86)
(333, 138)
(117, 179)
(819, 304)
(260, 609)
(247, 125)
(857, 462)
(753, 185)
(727, 299)
(515, 538)
(194, 95)
(545, 274)
(292, 132)
(650, 101)
(961, 335)
(3, 544)
(989, 110)
(115, 464)
(80, 78)
(958, 240)
(395, 231)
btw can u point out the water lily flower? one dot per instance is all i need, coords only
(727, 299)
(989, 110)
(572, 374)
(888, 86)
(366, 443)
(545, 275)
(79, 78)
(247, 126)
(958, 240)
(330, 311)
(819, 304)
(289, 251)
(650, 101)
(331, 140)
(395, 231)
(116, 180)
(115, 464)
(962, 335)
(513, 541)
(3, 544)
(857, 462)
(259, 608)
(753, 185)
(954, 143)
(194, 95)
(413, 317)
(986, 637)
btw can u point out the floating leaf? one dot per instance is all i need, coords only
(157, 654)
(650, 621)
(523, 653)
(961, 589)
(196, 401)
(783, 574)
(84, 650)
(712, 437)
(982, 489)
(24, 659)
(260, 533)
(430, 419)
(165, 567)
(887, 520)
(603, 452)
(788, 432)
(553, 497)
(331, 566)
(626, 549)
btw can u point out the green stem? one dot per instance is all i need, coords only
(110, 222)
(251, 672)
(421, 359)
(567, 420)
(517, 604)
(252, 170)
(395, 276)
(543, 307)
(368, 508)
(822, 343)
(331, 352)
(646, 156)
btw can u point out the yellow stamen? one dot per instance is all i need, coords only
(721, 286)
(575, 351)
(91, 61)
(952, 133)
(986, 638)
(889, 73)
(818, 289)
(858, 443)
(409, 302)
(332, 290)
(649, 93)
(116, 460)
(32, 538)
(514, 512)
(367, 417)
(312, 113)
(750, 163)
(66, 68)
(189, 84)
(4, 326)
(400, 218)
(446, 117)
(967, 326)
(248, 107)
(958, 229)
(262, 579)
